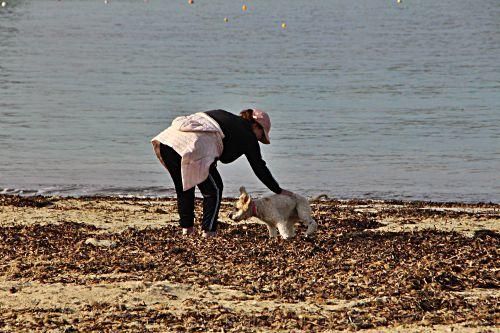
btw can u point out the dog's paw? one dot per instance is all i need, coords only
(287, 237)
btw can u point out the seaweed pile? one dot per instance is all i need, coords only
(397, 278)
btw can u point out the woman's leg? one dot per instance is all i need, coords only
(211, 189)
(185, 199)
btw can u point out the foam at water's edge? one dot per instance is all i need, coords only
(161, 192)
(78, 191)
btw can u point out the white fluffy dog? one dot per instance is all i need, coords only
(277, 212)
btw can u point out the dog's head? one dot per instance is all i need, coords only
(242, 208)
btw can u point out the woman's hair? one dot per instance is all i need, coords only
(247, 114)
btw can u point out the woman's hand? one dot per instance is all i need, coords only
(286, 192)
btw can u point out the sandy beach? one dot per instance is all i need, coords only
(120, 264)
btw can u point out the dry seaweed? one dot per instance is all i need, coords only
(20, 201)
(410, 277)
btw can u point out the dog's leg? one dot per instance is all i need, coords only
(304, 213)
(291, 228)
(284, 229)
(272, 230)
(312, 226)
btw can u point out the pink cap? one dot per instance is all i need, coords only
(263, 120)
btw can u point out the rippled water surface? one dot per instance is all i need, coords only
(368, 98)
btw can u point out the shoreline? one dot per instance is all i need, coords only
(156, 192)
(329, 198)
(110, 263)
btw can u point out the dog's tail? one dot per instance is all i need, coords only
(321, 196)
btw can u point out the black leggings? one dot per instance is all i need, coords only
(210, 188)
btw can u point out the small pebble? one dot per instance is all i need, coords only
(101, 243)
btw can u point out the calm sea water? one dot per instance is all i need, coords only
(368, 98)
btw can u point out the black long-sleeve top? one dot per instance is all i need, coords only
(239, 139)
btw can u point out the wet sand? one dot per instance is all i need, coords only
(116, 264)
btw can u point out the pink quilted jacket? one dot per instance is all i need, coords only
(197, 138)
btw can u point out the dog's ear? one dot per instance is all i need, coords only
(243, 190)
(244, 195)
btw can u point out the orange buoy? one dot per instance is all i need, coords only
(244, 7)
